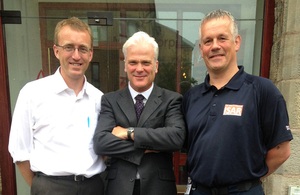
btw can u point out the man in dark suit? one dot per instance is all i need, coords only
(141, 145)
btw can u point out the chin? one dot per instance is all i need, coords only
(217, 66)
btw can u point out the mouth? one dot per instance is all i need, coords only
(216, 56)
(76, 64)
(139, 76)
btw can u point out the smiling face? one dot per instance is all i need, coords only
(140, 66)
(73, 64)
(218, 46)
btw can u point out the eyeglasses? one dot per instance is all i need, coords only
(71, 49)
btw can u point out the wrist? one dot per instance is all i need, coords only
(130, 130)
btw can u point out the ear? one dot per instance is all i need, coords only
(91, 55)
(156, 67)
(56, 52)
(125, 67)
(238, 41)
(201, 50)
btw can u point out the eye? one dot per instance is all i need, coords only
(223, 38)
(83, 49)
(132, 62)
(146, 63)
(69, 48)
(207, 41)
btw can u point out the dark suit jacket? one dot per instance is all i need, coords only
(160, 127)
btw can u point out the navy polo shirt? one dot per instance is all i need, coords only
(231, 129)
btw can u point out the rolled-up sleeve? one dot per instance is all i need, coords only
(21, 134)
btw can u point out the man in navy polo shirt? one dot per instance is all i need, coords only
(238, 126)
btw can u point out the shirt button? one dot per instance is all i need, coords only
(214, 105)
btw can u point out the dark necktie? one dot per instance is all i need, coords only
(139, 105)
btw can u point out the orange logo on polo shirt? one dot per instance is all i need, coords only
(233, 109)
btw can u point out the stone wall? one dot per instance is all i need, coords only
(285, 73)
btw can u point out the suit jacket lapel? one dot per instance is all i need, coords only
(152, 104)
(126, 105)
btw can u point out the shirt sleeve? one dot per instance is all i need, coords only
(21, 134)
(274, 117)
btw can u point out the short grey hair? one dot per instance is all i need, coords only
(218, 14)
(140, 37)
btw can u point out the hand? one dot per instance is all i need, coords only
(25, 170)
(120, 132)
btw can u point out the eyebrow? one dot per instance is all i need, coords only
(130, 61)
(71, 44)
(220, 35)
(142, 61)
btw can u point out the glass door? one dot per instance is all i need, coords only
(173, 23)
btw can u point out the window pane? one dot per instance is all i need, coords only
(173, 23)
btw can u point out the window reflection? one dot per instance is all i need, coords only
(173, 23)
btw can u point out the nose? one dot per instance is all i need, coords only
(76, 55)
(139, 67)
(215, 45)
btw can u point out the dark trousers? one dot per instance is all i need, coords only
(136, 189)
(43, 185)
(257, 190)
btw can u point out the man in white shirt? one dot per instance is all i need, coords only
(55, 118)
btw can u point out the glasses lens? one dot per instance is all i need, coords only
(83, 50)
(69, 48)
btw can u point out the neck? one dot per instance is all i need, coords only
(219, 80)
(76, 85)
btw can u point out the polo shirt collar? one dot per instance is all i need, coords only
(235, 82)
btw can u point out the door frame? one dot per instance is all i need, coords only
(8, 178)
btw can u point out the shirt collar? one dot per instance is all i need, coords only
(235, 82)
(60, 85)
(146, 93)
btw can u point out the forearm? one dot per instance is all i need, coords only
(107, 144)
(122, 134)
(164, 139)
(24, 168)
(277, 156)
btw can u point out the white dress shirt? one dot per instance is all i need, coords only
(134, 93)
(53, 128)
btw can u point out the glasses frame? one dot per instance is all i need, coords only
(74, 48)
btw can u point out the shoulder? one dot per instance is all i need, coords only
(93, 90)
(114, 95)
(39, 85)
(36, 91)
(262, 85)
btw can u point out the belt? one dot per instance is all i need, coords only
(239, 187)
(66, 177)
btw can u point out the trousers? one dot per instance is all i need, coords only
(43, 185)
(257, 190)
